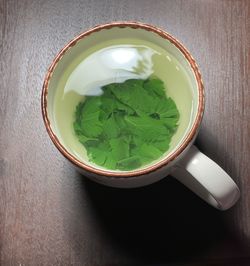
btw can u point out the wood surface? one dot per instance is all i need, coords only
(51, 215)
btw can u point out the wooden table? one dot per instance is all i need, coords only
(50, 215)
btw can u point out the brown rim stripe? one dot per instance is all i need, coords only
(171, 157)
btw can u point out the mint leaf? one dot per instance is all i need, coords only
(129, 163)
(83, 139)
(120, 148)
(155, 87)
(162, 145)
(111, 162)
(110, 128)
(146, 128)
(90, 124)
(129, 125)
(148, 151)
(97, 155)
(132, 94)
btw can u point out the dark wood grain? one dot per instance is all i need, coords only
(50, 215)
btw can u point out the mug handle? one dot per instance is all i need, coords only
(206, 179)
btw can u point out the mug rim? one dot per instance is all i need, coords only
(170, 157)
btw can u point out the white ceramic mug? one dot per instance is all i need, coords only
(184, 161)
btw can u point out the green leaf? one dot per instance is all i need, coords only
(111, 104)
(78, 111)
(132, 94)
(99, 153)
(162, 145)
(120, 148)
(83, 139)
(90, 124)
(129, 125)
(146, 128)
(155, 87)
(166, 108)
(148, 152)
(111, 162)
(129, 163)
(77, 128)
(110, 128)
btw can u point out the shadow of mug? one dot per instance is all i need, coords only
(159, 222)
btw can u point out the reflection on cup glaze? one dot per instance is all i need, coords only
(113, 64)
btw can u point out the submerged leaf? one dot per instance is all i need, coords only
(129, 125)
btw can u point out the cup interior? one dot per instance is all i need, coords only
(184, 89)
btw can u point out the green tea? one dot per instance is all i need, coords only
(129, 125)
(116, 62)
